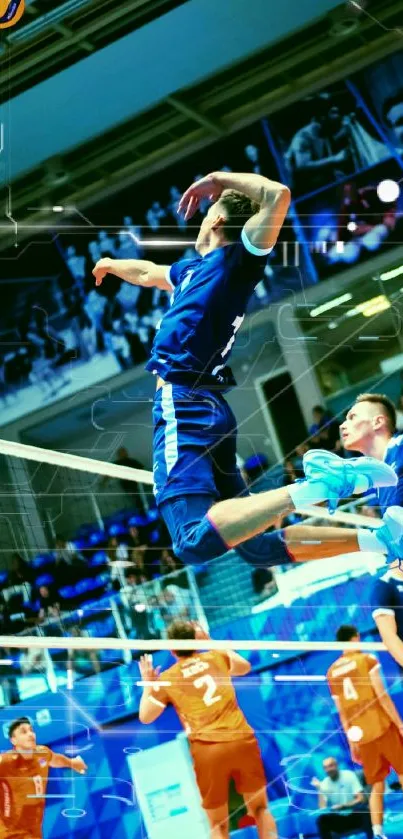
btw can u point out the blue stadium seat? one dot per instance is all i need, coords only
(42, 560)
(99, 558)
(44, 580)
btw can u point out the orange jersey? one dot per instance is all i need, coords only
(201, 691)
(22, 790)
(349, 682)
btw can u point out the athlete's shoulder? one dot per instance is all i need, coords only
(8, 757)
(43, 752)
(394, 451)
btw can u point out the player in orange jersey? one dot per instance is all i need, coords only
(370, 719)
(223, 744)
(23, 780)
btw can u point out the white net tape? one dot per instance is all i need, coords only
(119, 644)
(73, 461)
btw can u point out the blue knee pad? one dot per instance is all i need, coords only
(194, 539)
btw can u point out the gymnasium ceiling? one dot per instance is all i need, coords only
(190, 118)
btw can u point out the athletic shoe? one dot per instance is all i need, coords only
(391, 532)
(345, 477)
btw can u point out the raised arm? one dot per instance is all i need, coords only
(135, 271)
(273, 199)
(62, 762)
(151, 707)
(239, 666)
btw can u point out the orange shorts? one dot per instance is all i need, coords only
(382, 755)
(216, 763)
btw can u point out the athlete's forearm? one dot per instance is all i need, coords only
(61, 762)
(259, 189)
(390, 708)
(134, 271)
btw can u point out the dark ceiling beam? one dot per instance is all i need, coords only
(195, 115)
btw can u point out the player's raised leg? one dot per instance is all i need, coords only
(257, 807)
(329, 478)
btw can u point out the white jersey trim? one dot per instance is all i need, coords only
(251, 248)
(382, 611)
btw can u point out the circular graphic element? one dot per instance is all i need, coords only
(388, 190)
(355, 733)
(74, 813)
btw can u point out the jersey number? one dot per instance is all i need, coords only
(38, 782)
(349, 689)
(209, 696)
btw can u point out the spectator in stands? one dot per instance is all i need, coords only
(107, 244)
(82, 662)
(290, 472)
(155, 215)
(134, 539)
(77, 266)
(20, 572)
(175, 603)
(47, 603)
(324, 431)
(137, 558)
(341, 797)
(174, 197)
(169, 562)
(263, 582)
(94, 250)
(33, 660)
(252, 154)
(130, 487)
(8, 678)
(5, 626)
(116, 551)
(399, 414)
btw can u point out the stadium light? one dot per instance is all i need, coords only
(390, 275)
(331, 304)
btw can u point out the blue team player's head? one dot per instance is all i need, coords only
(224, 221)
(372, 418)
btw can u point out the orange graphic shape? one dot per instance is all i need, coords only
(4, 5)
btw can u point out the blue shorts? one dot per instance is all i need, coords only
(194, 445)
(195, 466)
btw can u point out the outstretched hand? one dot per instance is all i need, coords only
(148, 672)
(101, 269)
(78, 765)
(204, 188)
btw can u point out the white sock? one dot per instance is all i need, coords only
(308, 492)
(377, 830)
(369, 542)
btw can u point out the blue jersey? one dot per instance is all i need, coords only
(391, 496)
(387, 599)
(208, 305)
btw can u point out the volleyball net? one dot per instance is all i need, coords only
(85, 556)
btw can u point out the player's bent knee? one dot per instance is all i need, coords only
(198, 543)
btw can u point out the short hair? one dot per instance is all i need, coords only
(390, 102)
(346, 632)
(389, 409)
(319, 409)
(238, 209)
(16, 724)
(184, 631)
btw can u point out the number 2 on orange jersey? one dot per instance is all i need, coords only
(209, 697)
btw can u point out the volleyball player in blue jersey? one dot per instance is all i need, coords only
(198, 487)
